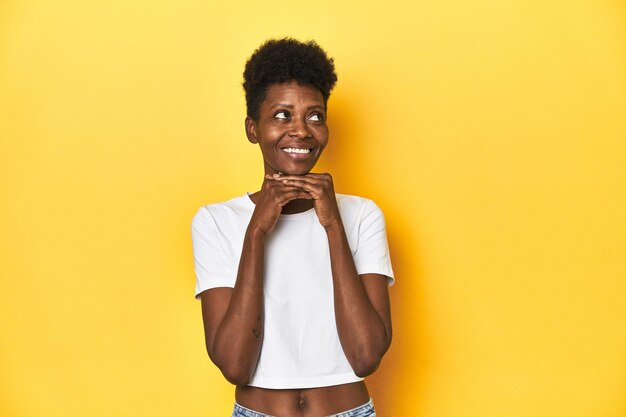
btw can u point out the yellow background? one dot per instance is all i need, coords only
(492, 134)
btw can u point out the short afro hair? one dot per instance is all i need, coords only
(284, 60)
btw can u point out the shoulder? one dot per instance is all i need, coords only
(356, 210)
(356, 207)
(352, 201)
(237, 207)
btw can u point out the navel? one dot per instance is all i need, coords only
(302, 403)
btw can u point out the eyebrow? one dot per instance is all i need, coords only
(291, 106)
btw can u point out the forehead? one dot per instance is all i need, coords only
(292, 93)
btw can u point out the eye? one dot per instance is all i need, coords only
(282, 114)
(316, 117)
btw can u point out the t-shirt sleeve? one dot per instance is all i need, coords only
(210, 261)
(372, 252)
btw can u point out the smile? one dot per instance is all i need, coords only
(296, 150)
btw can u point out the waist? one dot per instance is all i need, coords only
(321, 401)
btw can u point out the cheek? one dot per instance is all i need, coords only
(270, 137)
(266, 148)
(322, 136)
(272, 134)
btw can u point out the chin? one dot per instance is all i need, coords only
(296, 171)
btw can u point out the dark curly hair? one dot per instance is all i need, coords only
(283, 60)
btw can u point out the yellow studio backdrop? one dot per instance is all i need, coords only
(492, 134)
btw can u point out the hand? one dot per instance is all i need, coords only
(273, 196)
(320, 188)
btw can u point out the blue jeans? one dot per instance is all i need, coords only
(365, 410)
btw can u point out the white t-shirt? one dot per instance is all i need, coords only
(301, 347)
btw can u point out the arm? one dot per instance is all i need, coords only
(233, 317)
(362, 311)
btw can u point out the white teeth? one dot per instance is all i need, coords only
(296, 150)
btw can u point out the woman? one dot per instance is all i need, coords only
(293, 278)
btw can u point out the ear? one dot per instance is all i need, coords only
(251, 130)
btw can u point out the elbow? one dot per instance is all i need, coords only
(233, 370)
(366, 365)
(236, 375)
(365, 368)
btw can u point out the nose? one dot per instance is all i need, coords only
(299, 129)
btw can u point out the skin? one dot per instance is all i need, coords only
(294, 116)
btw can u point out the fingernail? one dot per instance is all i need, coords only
(276, 175)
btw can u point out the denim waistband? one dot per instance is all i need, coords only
(241, 411)
(365, 410)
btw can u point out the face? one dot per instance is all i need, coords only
(291, 130)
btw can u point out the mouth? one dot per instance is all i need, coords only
(297, 151)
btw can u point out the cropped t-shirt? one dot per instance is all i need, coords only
(301, 347)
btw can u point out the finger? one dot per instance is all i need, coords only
(282, 188)
(277, 185)
(277, 192)
(293, 195)
(313, 189)
(319, 176)
(268, 182)
(323, 180)
(300, 180)
(278, 177)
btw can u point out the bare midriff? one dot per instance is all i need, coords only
(309, 402)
